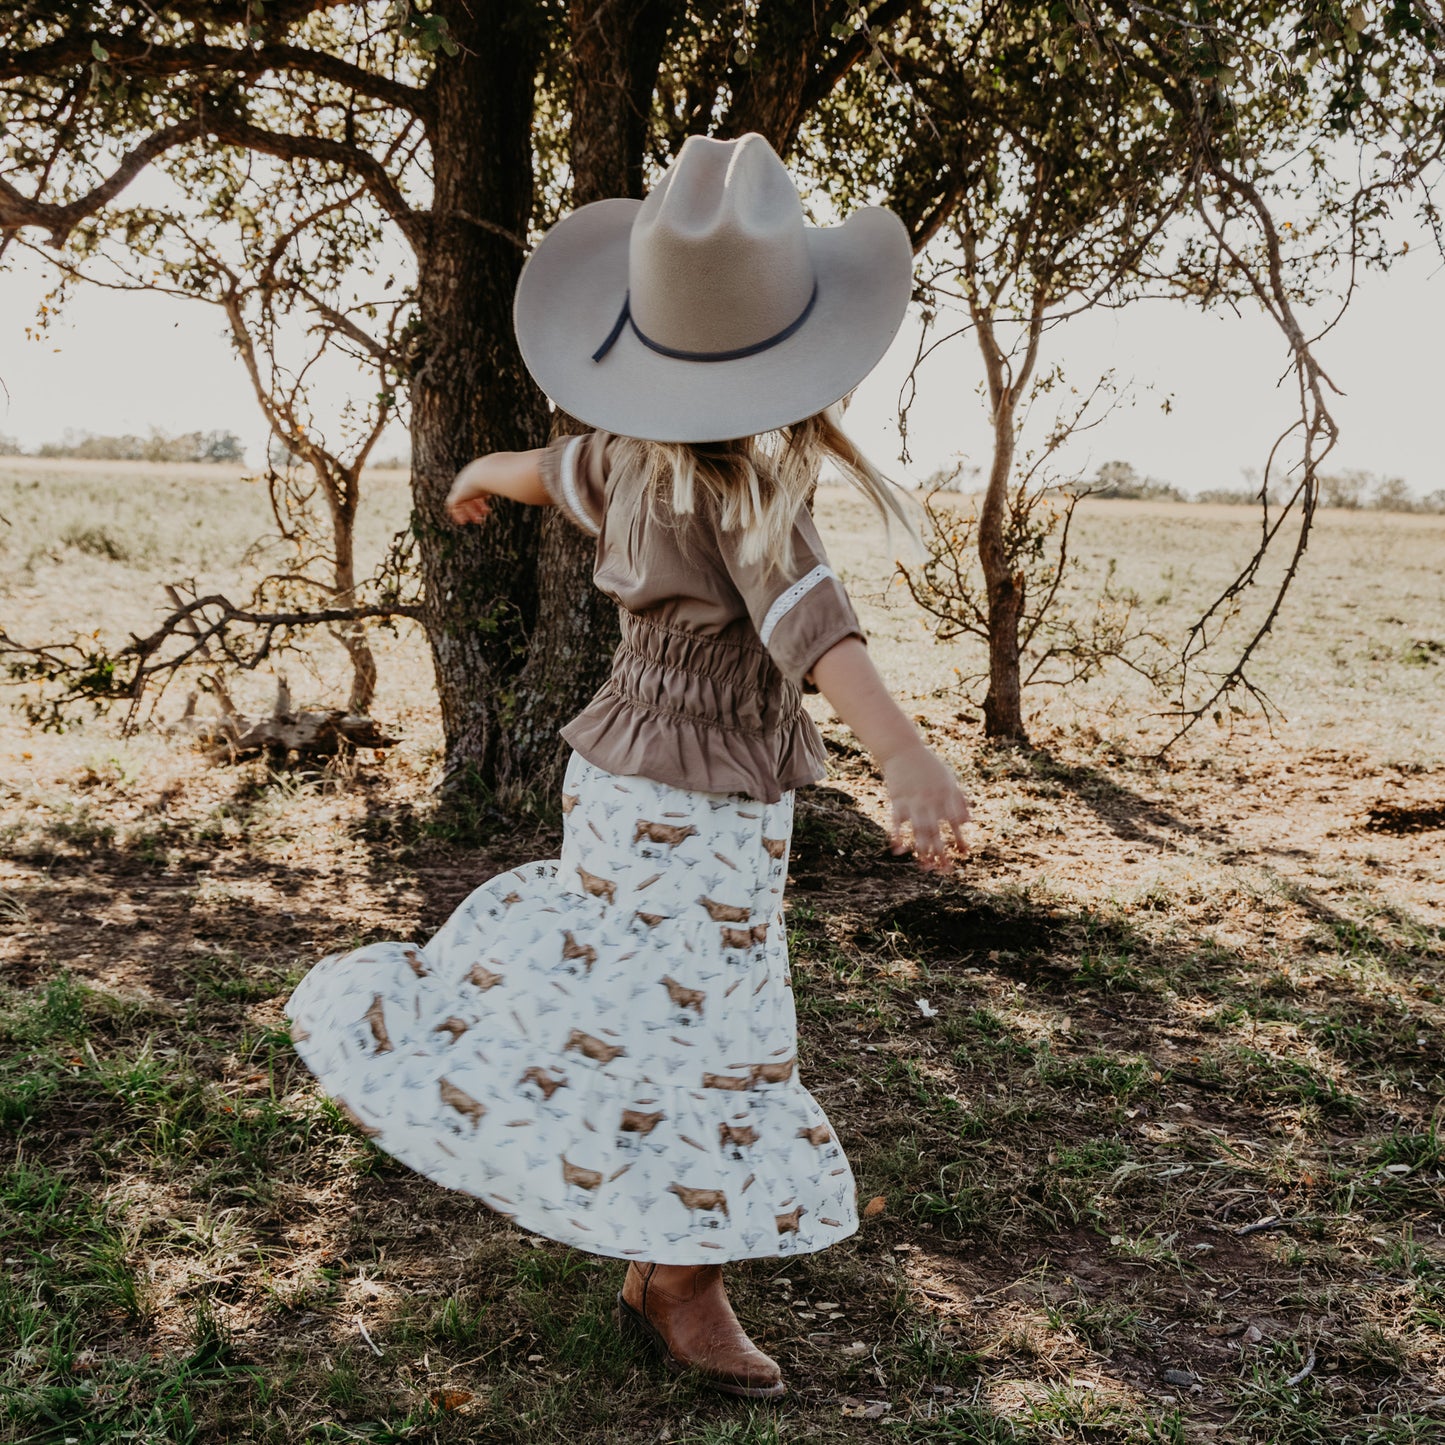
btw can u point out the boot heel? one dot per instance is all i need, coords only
(632, 1321)
(627, 1318)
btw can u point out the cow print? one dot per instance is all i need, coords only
(601, 1047)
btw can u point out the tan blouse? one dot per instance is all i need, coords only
(706, 687)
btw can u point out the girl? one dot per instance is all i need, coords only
(603, 1047)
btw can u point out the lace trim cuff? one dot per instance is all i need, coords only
(786, 601)
(570, 494)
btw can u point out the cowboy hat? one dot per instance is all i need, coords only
(710, 310)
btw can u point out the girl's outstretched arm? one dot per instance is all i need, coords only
(923, 790)
(499, 474)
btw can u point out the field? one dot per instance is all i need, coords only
(1159, 1157)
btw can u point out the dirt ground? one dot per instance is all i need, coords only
(1144, 1103)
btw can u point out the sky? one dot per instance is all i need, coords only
(128, 363)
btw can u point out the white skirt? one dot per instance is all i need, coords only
(603, 1048)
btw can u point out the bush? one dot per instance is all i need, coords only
(9, 447)
(95, 542)
(1230, 497)
(1344, 489)
(1356, 489)
(191, 446)
(1119, 480)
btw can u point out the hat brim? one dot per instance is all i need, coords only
(572, 288)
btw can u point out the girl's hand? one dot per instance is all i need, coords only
(468, 499)
(926, 796)
(516, 475)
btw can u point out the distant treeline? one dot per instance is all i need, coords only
(159, 446)
(1356, 490)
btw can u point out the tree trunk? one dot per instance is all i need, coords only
(342, 500)
(470, 392)
(616, 49)
(1002, 707)
(771, 88)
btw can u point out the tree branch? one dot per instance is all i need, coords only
(415, 225)
(60, 218)
(853, 50)
(137, 56)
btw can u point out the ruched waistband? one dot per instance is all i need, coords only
(725, 680)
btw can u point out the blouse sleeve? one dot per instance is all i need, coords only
(800, 612)
(574, 474)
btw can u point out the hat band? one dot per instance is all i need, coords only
(624, 318)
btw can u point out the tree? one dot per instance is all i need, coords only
(450, 124)
(1077, 154)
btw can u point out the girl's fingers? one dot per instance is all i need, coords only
(928, 845)
(473, 510)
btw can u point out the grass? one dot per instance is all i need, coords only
(1172, 1105)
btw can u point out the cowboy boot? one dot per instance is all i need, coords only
(695, 1327)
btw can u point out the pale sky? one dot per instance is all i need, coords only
(126, 363)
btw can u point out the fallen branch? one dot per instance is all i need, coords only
(1298, 1377)
(203, 629)
(1273, 1221)
(316, 734)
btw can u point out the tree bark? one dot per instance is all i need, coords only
(1002, 706)
(470, 392)
(342, 499)
(616, 49)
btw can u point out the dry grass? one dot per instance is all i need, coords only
(1171, 1135)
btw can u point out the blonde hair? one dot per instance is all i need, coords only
(757, 485)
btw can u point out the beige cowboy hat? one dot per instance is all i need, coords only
(710, 310)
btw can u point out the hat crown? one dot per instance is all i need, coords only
(718, 258)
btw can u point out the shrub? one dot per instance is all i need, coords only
(95, 542)
(1230, 497)
(191, 446)
(1119, 480)
(1355, 489)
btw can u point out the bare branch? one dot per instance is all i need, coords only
(60, 218)
(415, 225)
(202, 627)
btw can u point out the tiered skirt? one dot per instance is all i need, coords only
(601, 1047)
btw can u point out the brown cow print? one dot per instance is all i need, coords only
(572, 951)
(683, 998)
(598, 887)
(724, 912)
(483, 977)
(736, 1139)
(670, 833)
(545, 1083)
(705, 1201)
(601, 1047)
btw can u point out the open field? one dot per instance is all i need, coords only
(1163, 1159)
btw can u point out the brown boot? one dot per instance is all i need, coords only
(696, 1328)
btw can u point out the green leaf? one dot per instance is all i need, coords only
(99, 51)
(841, 31)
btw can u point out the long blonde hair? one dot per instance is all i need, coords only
(757, 485)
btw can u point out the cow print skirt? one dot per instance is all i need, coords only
(602, 1047)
